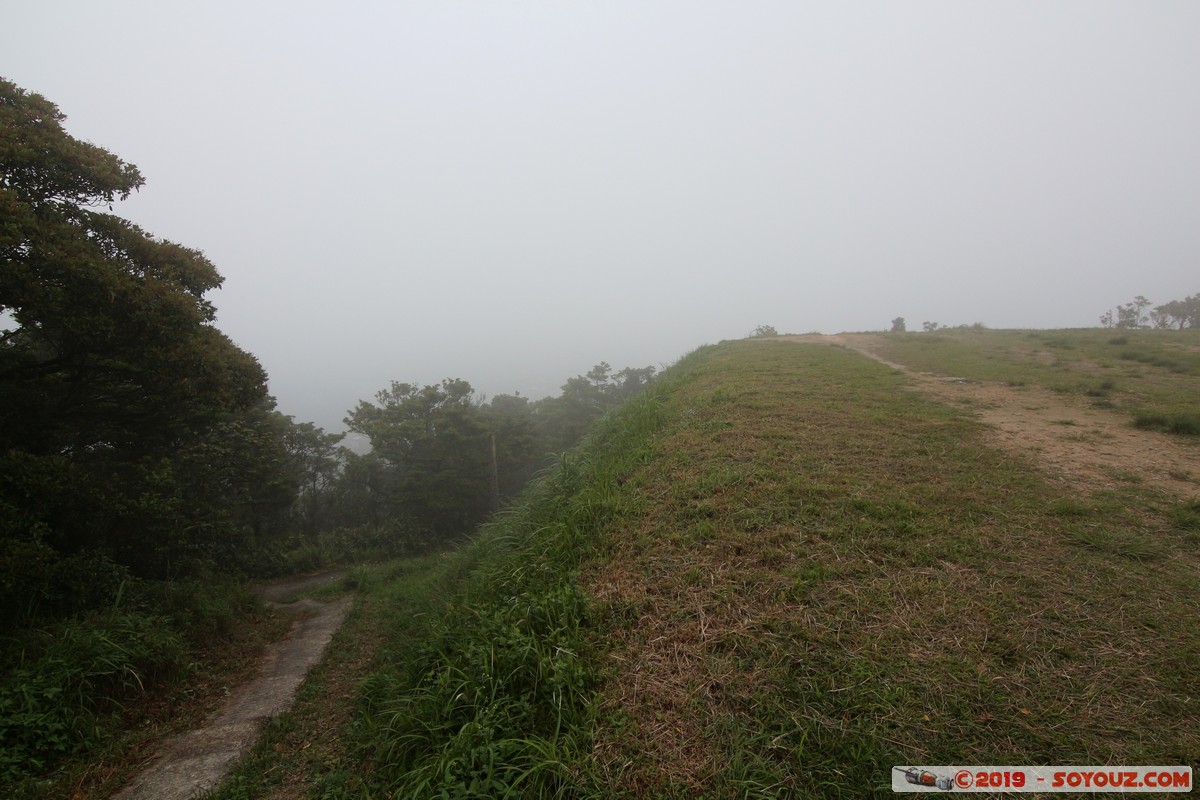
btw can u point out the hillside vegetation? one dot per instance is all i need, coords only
(780, 572)
(780, 568)
(146, 473)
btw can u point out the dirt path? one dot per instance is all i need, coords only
(1091, 448)
(195, 762)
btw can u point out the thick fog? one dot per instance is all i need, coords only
(512, 192)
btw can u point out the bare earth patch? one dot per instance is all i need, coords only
(1092, 448)
(195, 762)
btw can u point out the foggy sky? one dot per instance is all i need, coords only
(511, 192)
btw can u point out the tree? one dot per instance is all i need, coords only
(1183, 313)
(1129, 316)
(519, 451)
(929, 327)
(429, 475)
(1135, 314)
(630, 381)
(764, 330)
(114, 383)
(562, 420)
(898, 325)
(360, 493)
(316, 460)
(435, 444)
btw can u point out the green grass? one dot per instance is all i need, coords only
(491, 693)
(57, 703)
(1152, 375)
(1182, 424)
(824, 588)
(316, 745)
(777, 574)
(81, 697)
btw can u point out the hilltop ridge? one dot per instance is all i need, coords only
(779, 572)
(844, 570)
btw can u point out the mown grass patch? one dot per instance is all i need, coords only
(777, 574)
(1151, 375)
(824, 587)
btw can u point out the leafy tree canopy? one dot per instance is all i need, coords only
(1183, 313)
(435, 444)
(115, 386)
(442, 456)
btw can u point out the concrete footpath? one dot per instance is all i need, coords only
(192, 763)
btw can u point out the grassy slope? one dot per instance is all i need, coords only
(482, 683)
(777, 574)
(836, 576)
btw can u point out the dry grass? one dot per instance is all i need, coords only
(1145, 372)
(802, 575)
(828, 576)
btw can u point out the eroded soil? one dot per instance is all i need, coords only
(1093, 449)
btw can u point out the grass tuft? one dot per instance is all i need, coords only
(1180, 424)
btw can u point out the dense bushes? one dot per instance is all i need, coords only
(63, 684)
(58, 692)
(36, 582)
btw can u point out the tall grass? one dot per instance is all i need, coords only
(63, 684)
(57, 701)
(498, 703)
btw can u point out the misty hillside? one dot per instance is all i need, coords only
(340, 456)
(783, 567)
(788, 567)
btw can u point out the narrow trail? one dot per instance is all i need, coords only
(189, 764)
(1090, 448)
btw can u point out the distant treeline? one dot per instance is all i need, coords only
(442, 459)
(1141, 313)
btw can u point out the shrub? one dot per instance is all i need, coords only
(199, 609)
(36, 582)
(1181, 424)
(63, 682)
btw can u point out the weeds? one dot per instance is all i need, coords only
(57, 697)
(1180, 424)
(498, 701)
(1186, 516)
(65, 685)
